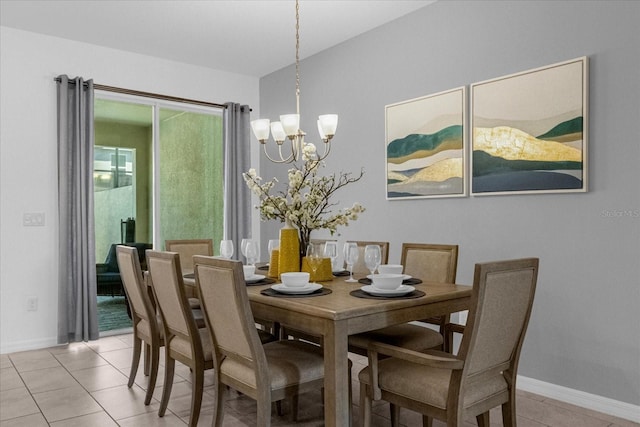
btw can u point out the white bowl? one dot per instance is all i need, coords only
(249, 270)
(387, 281)
(390, 269)
(295, 279)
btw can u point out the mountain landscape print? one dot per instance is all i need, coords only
(529, 132)
(425, 147)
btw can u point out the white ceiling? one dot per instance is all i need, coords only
(252, 37)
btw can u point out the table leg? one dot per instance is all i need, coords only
(336, 376)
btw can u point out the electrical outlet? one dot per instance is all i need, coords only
(32, 303)
(33, 219)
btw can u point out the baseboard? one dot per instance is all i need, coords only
(28, 345)
(580, 398)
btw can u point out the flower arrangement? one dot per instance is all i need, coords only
(306, 202)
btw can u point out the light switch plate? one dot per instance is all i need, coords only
(33, 219)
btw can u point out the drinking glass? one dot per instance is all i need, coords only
(331, 251)
(243, 247)
(372, 257)
(252, 252)
(314, 257)
(350, 257)
(273, 244)
(226, 249)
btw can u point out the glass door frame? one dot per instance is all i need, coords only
(156, 105)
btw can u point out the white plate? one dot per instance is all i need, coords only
(255, 278)
(404, 277)
(306, 289)
(402, 290)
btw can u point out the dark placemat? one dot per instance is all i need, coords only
(342, 273)
(265, 281)
(412, 281)
(190, 276)
(273, 293)
(358, 293)
(263, 267)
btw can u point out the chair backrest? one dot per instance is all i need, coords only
(501, 304)
(188, 248)
(360, 268)
(225, 303)
(134, 286)
(430, 262)
(165, 275)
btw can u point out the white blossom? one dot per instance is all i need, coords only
(305, 202)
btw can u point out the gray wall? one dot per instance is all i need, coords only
(585, 328)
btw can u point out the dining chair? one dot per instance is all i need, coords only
(430, 263)
(187, 248)
(184, 341)
(482, 375)
(266, 373)
(147, 325)
(359, 268)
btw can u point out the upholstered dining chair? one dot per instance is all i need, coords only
(482, 375)
(187, 249)
(147, 325)
(430, 263)
(266, 373)
(184, 342)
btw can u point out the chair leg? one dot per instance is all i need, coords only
(264, 413)
(135, 361)
(395, 415)
(365, 405)
(427, 421)
(154, 356)
(147, 358)
(509, 412)
(169, 369)
(483, 419)
(197, 387)
(294, 407)
(218, 402)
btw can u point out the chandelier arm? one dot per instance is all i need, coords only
(327, 150)
(282, 159)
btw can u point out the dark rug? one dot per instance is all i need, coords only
(112, 313)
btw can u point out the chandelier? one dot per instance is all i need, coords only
(289, 125)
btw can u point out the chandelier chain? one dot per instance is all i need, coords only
(297, 57)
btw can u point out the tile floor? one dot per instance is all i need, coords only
(85, 384)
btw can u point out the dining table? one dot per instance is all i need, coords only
(335, 312)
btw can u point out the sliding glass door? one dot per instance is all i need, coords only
(190, 175)
(157, 171)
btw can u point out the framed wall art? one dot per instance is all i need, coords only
(529, 131)
(426, 146)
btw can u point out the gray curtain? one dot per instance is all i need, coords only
(237, 197)
(77, 306)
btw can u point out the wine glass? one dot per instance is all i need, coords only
(314, 257)
(372, 257)
(252, 252)
(351, 257)
(243, 247)
(226, 249)
(273, 244)
(331, 251)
